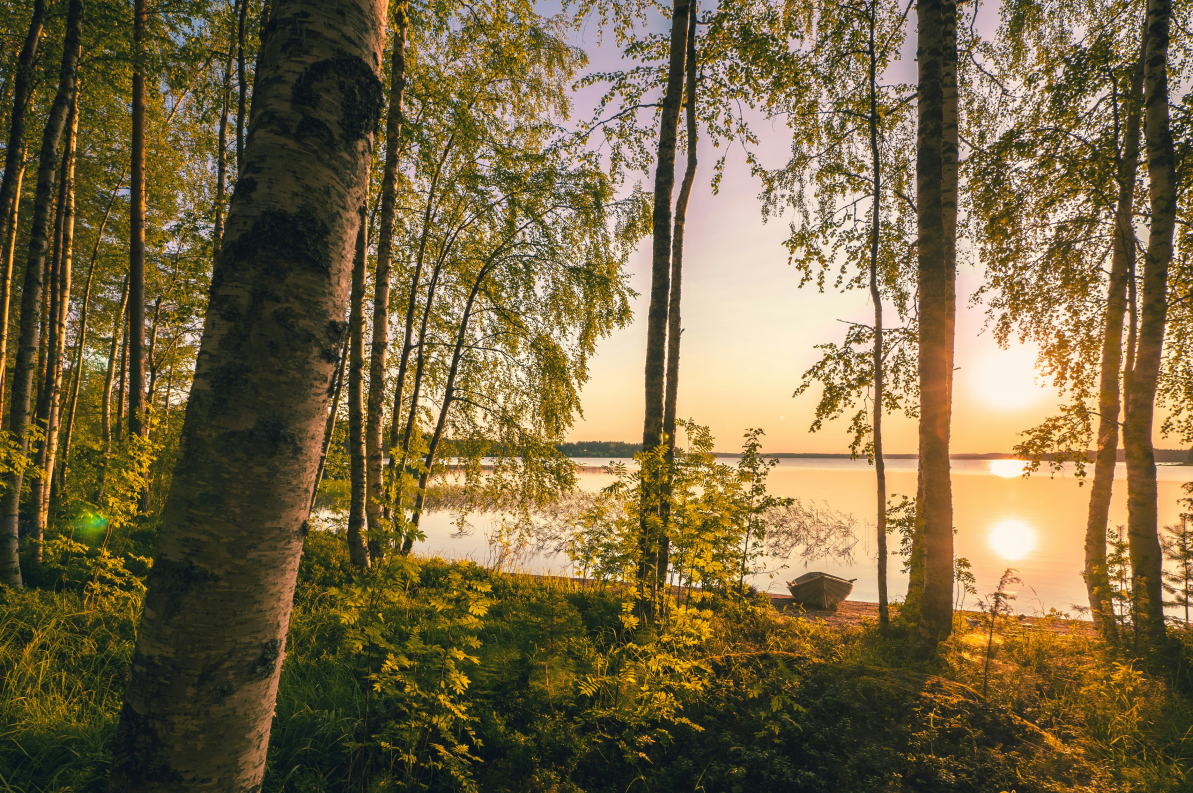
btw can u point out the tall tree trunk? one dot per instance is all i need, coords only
(80, 344)
(204, 676)
(48, 332)
(656, 321)
(935, 509)
(876, 299)
(14, 168)
(674, 321)
(22, 380)
(449, 394)
(375, 409)
(10, 248)
(337, 389)
(357, 515)
(122, 390)
(242, 83)
(1142, 523)
(416, 388)
(412, 305)
(110, 375)
(59, 311)
(1097, 577)
(221, 157)
(420, 359)
(151, 357)
(136, 225)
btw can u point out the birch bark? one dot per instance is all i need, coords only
(31, 295)
(1097, 578)
(1142, 521)
(674, 320)
(656, 320)
(204, 675)
(935, 512)
(375, 407)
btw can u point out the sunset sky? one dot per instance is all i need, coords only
(750, 331)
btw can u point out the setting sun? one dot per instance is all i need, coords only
(1004, 379)
(1012, 539)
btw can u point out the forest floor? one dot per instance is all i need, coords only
(446, 676)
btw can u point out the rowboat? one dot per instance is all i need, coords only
(820, 590)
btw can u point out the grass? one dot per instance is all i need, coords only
(476, 680)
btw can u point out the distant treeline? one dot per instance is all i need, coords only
(613, 449)
(621, 449)
(610, 449)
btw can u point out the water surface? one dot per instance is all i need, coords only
(1034, 525)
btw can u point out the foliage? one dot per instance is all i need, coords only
(995, 604)
(964, 582)
(552, 686)
(724, 524)
(1177, 547)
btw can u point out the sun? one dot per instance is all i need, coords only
(1005, 379)
(1012, 538)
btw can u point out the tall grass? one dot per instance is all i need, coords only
(564, 695)
(64, 659)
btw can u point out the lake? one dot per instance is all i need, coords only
(1035, 525)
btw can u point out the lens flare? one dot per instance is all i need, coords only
(91, 523)
(1012, 539)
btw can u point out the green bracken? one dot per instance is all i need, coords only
(426, 674)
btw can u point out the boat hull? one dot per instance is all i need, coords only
(820, 590)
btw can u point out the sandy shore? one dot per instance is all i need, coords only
(858, 612)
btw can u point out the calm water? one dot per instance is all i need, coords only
(1035, 525)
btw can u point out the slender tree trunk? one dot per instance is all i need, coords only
(876, 299)
(449, 394)
(122, 391)
(412, 302)
(420, 360)
(935, 294)
(10, 247)
(119, 333)
(242, 83)
(656, 327)
(136, 224)
(375, 408)
(1142, 522)
(110, 375)
(221, 158)
(674, 321)
(48, 332)
(204, 675)
(59, 312)
(357, 515)
(84, 315)
(337, 390)
(1097, 576)
(22, 381)
(950, 122)
(14, 168)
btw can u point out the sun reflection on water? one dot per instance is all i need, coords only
(1007, 469)
(1012, 538)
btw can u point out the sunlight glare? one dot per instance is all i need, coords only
(1005, 379)
(1007, 469)
(1012, 539)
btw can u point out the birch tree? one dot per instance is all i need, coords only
(204, 674)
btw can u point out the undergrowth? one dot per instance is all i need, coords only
(435, 675)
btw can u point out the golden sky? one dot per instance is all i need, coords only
(750, 331)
